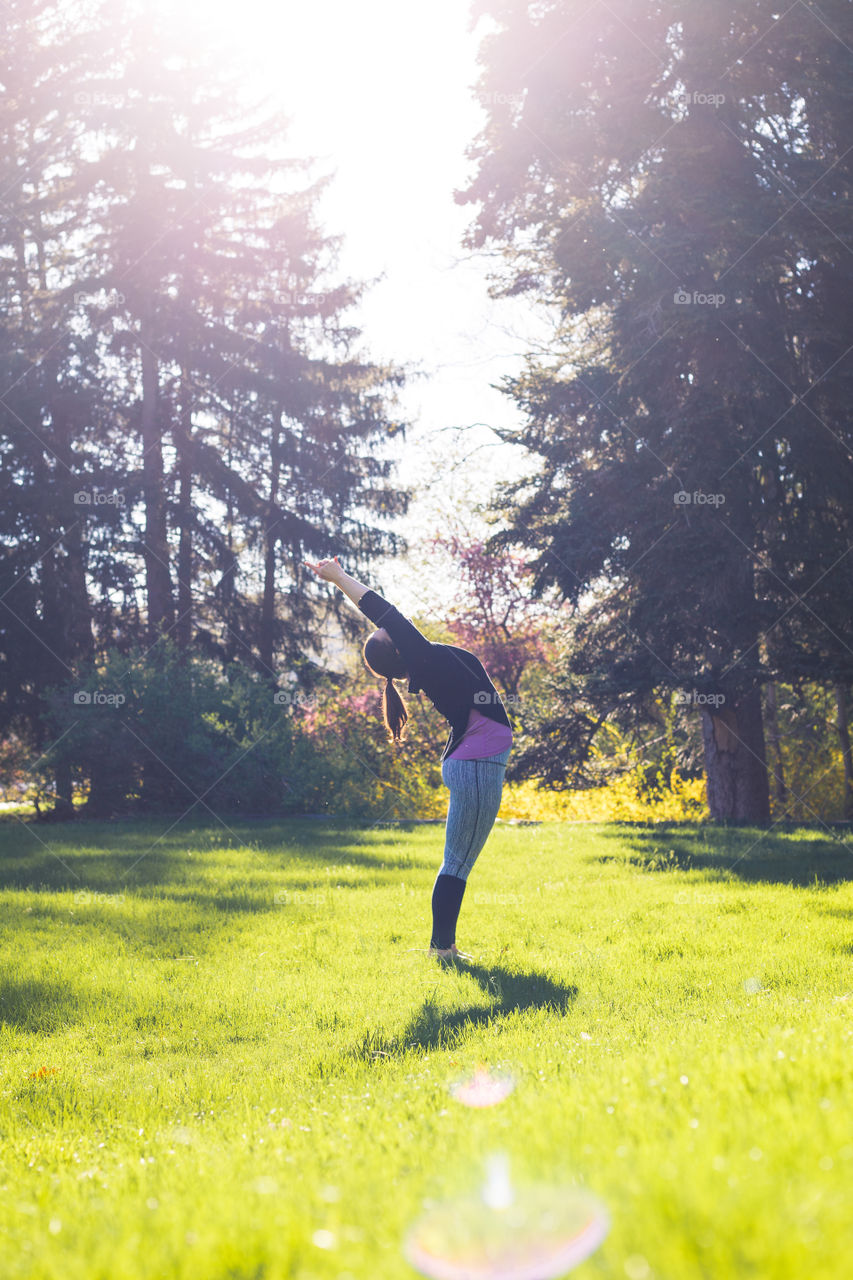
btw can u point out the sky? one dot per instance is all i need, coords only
(382, 92)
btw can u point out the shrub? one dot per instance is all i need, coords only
(153, 731)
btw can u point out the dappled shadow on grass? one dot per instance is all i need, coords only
(744, 853)
(828, 909)
(435, 1028)
(162, 896)
(115, 856)
(253, 903)
(32, 1004)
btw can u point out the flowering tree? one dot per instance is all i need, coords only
(492, 612)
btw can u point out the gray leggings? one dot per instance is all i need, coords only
(475, 797)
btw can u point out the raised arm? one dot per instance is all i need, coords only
(410, 642)
(331, 571)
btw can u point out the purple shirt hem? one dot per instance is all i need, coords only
(482, 737)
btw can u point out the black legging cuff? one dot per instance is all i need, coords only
(447, 896)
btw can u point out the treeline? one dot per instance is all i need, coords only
(186, 414)
(675, 181)
(186, 411)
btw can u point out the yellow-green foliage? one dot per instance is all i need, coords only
(812, 764)
(362, 774)
(814, 778)
(358, 772)
(622, 800)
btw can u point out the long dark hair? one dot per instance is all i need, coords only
(383, 659)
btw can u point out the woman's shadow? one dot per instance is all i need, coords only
(433, 1027)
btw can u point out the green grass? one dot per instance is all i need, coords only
(246, 1051)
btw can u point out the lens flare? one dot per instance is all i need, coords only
(506, 1232)
(484, 1088)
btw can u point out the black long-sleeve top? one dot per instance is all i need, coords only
(454, 680)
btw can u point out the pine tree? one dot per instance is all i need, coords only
(641, 169)
(242, 369)
(171, 338)
(49, 474)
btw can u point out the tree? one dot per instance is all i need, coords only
(208, 240)
(49, 423)
(647, 173)
(187, 413)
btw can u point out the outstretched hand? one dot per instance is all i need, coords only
(326, 569)
(333, 571)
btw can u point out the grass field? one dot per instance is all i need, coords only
(220, 1057)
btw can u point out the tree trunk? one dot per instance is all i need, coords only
(63, 804)
(157, 577)
(183, 626)
(79, 642)
(844, 738)
(735, 761)
(58, 610)
(59, 670)
(227, 595)
(267, 637)
(229, 564)
(53, 616)
(776, 745)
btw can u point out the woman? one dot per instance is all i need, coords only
(474, 758)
